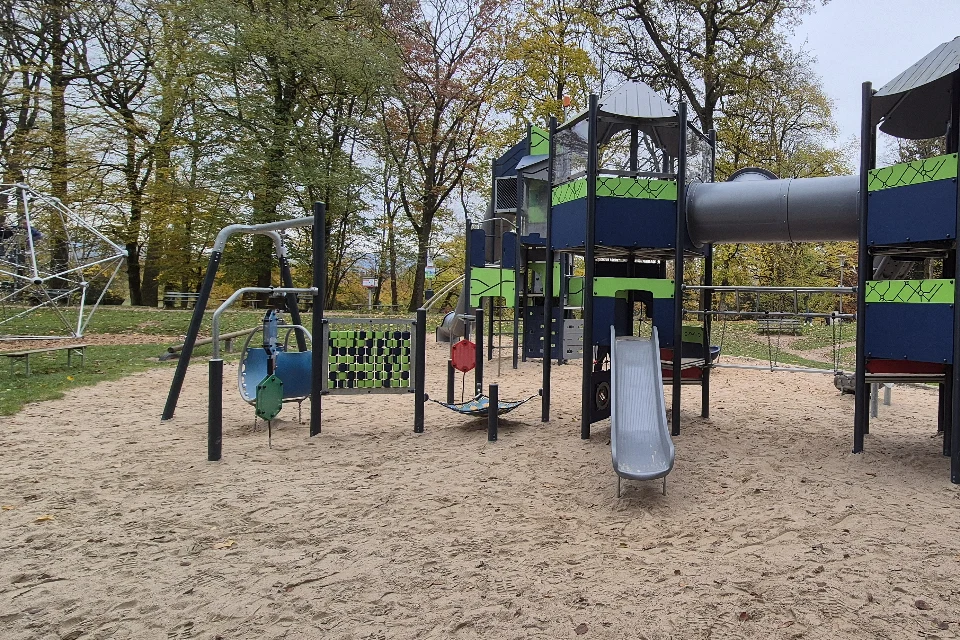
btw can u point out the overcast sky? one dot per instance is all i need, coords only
(859, 40)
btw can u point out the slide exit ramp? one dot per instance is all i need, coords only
(640, 440)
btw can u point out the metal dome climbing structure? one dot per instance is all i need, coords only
(51, 259)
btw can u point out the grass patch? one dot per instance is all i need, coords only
(50, 377)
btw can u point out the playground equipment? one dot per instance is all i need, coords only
(466, 356)
(358, 355)
(653, 202)
(640, 441)
(909, 330)
(52, 259)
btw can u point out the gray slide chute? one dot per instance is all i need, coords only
(640, 440)
(753, 207)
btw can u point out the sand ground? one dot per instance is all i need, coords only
(114, 525)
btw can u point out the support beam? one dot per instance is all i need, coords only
(548, 281)
(861, 415)
(589, 259)
(316, 327)
(680, 240)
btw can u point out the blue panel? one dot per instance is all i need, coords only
(921, 332)
(621, 222)
(506, 165)
(478, 248)
(532, 340)
(922, 212)
(663, 320)
(293, 368)
(610, 311)
(636, 222)
(509, 258)
(569, 222)
(533, 240)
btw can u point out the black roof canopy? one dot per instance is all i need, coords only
(916, 104)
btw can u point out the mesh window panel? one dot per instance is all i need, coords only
(506, 189)
(699, 159)
(570, 153)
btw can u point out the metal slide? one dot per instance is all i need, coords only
(640, 440)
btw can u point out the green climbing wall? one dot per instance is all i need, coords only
(378, 357)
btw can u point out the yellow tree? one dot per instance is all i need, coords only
(549, 57)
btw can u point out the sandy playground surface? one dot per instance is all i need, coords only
(113, 525)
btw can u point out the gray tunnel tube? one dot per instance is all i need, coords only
(753, 208)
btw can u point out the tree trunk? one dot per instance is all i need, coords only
(59, 161)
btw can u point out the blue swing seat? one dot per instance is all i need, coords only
(293, 368)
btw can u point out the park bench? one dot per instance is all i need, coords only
(779, 325)
(58, 296)
(172, 298)
(25, 355)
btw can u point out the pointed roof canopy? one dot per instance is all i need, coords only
(916, 104)
(635, 104)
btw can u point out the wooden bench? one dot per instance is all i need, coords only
(171, 298)
(779, 325)
(25, 355)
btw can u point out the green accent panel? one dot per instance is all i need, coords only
(616, 187)
(575, 291)
(539, 141)
(570, 191)
(691, 334)
(919, 291)
(269, 397)
(637, 188)
(916, 172)
(612, 287)
(490, 282)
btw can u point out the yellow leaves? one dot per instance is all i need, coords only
(45, 518)
(8, 507)
(226, 544)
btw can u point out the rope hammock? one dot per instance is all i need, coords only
(479, 407)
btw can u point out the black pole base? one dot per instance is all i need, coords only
(215, 412)
(493, 413)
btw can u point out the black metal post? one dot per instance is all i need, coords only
(215, 410)
(450, 381)
(861, 415)
(192, 331)
(548, 280)
(707, 305)
(493, 413)
(492, 304)
(953, 143)
(292, 305)
(708, 296)
(565, 261)
(478, 370)
(316, 327)
(466, 278)
(420, 371)
(681, 241)
(517, 281)
(589, 258)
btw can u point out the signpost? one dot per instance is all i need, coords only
(370, 284)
